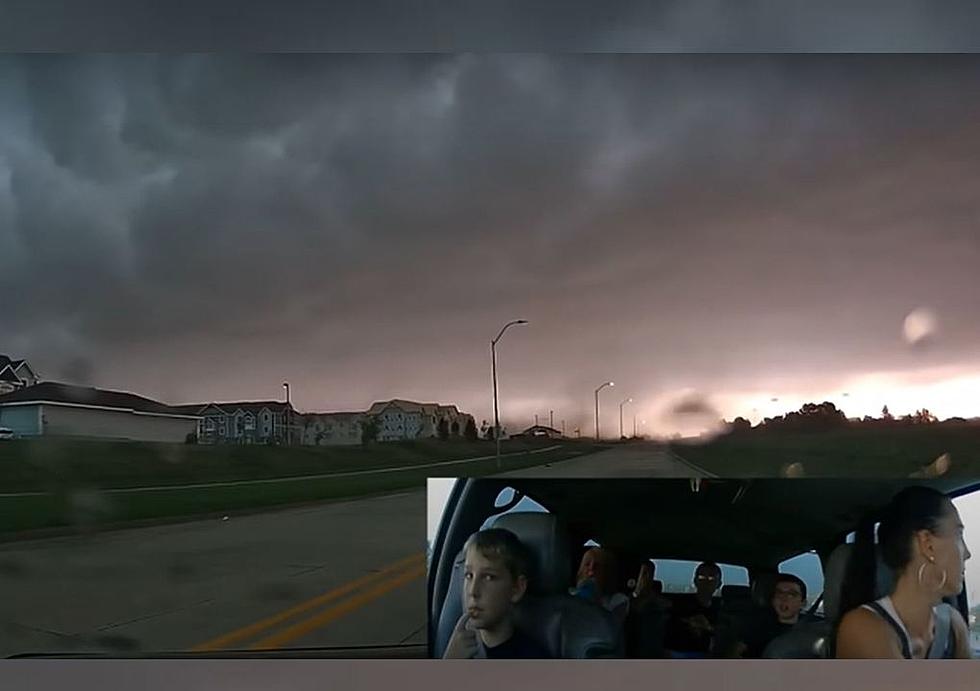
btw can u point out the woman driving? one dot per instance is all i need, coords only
(920, 538)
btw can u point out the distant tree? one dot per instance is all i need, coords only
(886, 415)
(740, 424)
(370, 429)
(454, 429)
(191, 438)
(488, 433)
(443, 429)
(470, 432)
(924, 417)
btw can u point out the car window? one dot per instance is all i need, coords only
(437, 494)
(968, 506)
(808, 567)
(677, 575)
(506, 496)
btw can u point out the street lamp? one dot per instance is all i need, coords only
(285, 385)
(628, 400)
(608, 383)
(496, 407)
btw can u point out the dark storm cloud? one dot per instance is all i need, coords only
(481, 25)
(361, 224)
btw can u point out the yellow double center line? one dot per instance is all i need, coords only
(379, 583)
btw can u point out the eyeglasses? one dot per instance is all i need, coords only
(787, 593)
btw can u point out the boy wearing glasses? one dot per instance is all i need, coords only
(788, 599)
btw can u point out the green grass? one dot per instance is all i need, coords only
(50, 464)
(75, 496)
(891, 452)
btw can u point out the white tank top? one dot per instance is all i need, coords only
(943, 639)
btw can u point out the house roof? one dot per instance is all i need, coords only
(406, 406)
(7, 374)
(233, 407)
(545, 428)
(413, 407)
(54, 392)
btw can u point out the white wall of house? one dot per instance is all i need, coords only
(327, 430)
(396, 424)
(114, 424)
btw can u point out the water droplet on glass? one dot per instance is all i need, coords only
(920, 326)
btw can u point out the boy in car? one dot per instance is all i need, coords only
(494, 582)
(788, 598)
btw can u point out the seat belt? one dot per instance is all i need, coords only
(944, 639)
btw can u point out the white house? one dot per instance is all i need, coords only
(332, 429)
(399, 419)
(62, 410)
(245, 422)
(15, 374)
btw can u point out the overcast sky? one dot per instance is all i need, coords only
(739, 228)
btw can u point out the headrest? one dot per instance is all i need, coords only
(548, 545)
(836, 571)
(736, 593)
(762, 588)
(833, 579)
(884, 576)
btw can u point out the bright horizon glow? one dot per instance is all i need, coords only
(951, 396)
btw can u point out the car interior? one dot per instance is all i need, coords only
(754, 523)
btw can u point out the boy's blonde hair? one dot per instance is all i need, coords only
(499, 543)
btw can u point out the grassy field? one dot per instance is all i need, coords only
(79, 482)
(891, 452)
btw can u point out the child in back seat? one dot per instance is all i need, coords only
(494, 582)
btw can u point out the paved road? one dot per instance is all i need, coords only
(626, 460)
(346, 573)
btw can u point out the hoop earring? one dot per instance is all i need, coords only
(922, 568)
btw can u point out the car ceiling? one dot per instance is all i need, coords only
(756, 523)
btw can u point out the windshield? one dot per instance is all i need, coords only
(249, 304)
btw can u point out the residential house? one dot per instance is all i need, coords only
(53, 409)
(331, 429)
(15, 374)
(400, 419)
(246, 422)
(541, 432)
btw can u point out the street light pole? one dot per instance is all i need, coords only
(496, 406)
(285, 385)
(608, 383)
(628, 400)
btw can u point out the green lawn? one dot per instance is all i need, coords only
(892, 452)
(77, 477)
(49, 464)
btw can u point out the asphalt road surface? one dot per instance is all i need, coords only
(625, 460)
(346, 573)
(339, 574)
